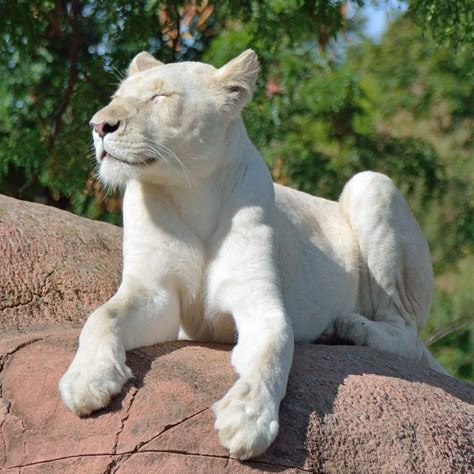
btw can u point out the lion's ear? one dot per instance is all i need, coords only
(141, 62)
(236, 80)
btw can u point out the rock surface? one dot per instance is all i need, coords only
(347, 410)
(55, 267)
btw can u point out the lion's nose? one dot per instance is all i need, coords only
(105, 127)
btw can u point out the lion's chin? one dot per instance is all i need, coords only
(116, 173)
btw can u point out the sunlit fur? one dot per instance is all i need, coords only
(214, 251)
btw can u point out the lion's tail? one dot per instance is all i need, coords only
(428, 359)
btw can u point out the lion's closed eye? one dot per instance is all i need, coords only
(160, 94)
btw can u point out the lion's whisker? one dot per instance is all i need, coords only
(158, 149)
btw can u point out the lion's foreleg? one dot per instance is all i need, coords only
(136, 316)
(245, 283)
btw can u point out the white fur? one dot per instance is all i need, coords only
(213, 251)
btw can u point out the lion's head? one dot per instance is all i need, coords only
(167, 123)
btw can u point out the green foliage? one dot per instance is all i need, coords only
(323, 109)
(450, 331)
(450, 22)
(60, 62)
(416, 89)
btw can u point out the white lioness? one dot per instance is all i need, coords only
(214, 251)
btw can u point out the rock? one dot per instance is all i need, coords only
(348, 409)
(55, 266)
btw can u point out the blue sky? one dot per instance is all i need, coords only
(379, 13)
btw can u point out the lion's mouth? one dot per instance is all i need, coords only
(131, 163)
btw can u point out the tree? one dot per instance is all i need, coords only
(77, 49)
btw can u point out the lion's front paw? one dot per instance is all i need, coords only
(90, 383)
(352, 328)
(247, 420)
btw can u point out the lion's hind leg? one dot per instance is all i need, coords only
(396, 278)
(393, 336)
(390, 336)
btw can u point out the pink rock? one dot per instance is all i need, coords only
(348, 409)
(55, 267)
